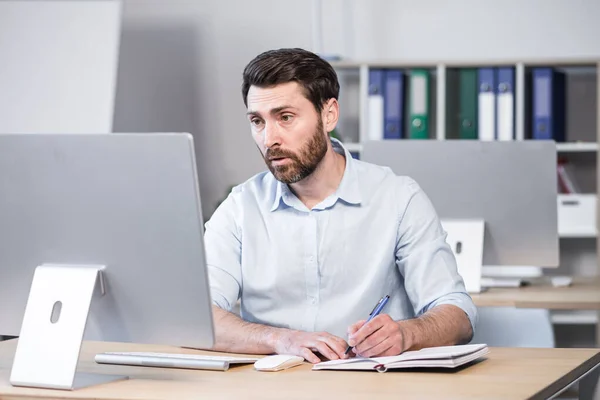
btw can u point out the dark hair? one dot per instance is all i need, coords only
(316, 76)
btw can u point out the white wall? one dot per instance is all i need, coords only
(58, 65)
(462, 29)
(181, 68)
(181, 61)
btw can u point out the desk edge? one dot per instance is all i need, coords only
(567, 380)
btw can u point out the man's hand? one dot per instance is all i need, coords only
(234, 335)
(306, 344)
(382, 336)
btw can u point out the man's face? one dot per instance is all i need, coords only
(287, 130)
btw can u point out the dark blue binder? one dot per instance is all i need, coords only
(549, 104)
(376, 81)
(393, 104)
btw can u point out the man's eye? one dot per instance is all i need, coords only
(256, 121)
(286, 118)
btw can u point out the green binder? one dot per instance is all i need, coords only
(468, 103)
(419, 104)
(452, 103)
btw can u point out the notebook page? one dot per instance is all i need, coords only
(433, 353)
(448, 362)
(350, 363)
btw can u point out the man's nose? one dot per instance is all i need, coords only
(272, 135)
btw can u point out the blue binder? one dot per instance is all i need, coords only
(393, 104)
(549, 105)
(376, 81)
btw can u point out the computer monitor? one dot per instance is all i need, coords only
(511, 185)
(102, 232)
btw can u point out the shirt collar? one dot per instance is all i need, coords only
(348, 190)
(282, 192)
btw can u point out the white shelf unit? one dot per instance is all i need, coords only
(582, 143)
(579, 66)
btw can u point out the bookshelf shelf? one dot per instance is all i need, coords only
(578, 196)
(353, 146)
(383, 63)
(583, 317)
(579, 235)
(577, 147)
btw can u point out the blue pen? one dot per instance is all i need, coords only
(378, 307)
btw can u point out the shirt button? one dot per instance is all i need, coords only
(314, 301)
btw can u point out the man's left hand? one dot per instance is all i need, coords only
(382, 336)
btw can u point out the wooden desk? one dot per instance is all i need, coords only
(506, 373)
(579, 296)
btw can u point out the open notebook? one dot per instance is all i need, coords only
(432, 357)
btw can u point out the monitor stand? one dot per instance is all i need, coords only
(465, 237)
(53, 328)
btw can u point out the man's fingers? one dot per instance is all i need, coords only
(378, 350)
(324, 349)
(355, 327)
(341, 341)
(371, 341)
(309, 355)
(366, 330)
(336, 344)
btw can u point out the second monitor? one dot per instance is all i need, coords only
(512, 186)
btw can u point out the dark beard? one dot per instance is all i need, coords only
(303, 164)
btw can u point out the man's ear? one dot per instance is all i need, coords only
(330, 114)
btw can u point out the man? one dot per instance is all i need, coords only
(311, 245)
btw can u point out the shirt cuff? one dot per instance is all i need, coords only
(461, 300)
(220, 301)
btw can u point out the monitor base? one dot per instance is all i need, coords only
(54, 325)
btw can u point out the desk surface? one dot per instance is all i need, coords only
(581, 295)
(506, 373)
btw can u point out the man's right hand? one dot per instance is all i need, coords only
(306, 344)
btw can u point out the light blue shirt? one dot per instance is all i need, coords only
(325, 268)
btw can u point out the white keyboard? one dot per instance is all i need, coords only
(186, 356)
(503, 282)
(172, 360)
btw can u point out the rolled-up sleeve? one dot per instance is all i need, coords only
(426, 260)
(223, 254)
